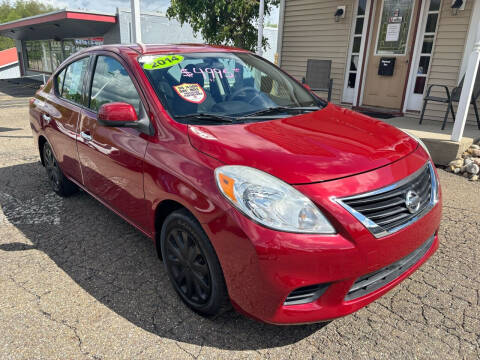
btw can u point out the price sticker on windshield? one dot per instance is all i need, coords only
(193, 93)
(163, 62)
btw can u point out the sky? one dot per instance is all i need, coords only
(110, 6)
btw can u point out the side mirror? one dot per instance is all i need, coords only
(118, 114)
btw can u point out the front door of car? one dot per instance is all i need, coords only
(112, 157)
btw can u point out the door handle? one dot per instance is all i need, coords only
(86, 136)
(46, 118)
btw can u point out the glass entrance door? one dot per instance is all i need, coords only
(356, 51)
(421, 62)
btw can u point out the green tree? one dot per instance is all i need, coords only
(222, 22)
(10, 11)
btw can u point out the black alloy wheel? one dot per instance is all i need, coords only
(188, 266)
(60, 184)
(53, 171)
(192, 265)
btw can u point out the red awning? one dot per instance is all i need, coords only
(59, 25)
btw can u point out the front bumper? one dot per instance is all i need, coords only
(262, 266)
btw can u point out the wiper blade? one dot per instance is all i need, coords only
(207, 116)
(276, 109)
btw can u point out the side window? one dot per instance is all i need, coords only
(111, 83)
(59, 81)
(72, 85)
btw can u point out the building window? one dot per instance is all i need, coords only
(56, 53)
(38, 55)
(47, 55)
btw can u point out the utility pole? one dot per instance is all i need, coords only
(260, 27)
(136, 25)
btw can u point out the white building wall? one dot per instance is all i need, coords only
(10, 71)
(272, 35)
(158, 29)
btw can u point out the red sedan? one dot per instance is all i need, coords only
(257, 193)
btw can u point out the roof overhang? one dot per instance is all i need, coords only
(63, 24)
(8, 65)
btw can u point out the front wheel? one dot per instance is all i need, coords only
(60, 184)
(192, 265)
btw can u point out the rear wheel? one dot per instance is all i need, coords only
(60, 184)
(192, 265)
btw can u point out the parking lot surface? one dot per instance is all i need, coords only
(77, 282)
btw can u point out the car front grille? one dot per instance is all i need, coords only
(373, 281)
(306, 294)
(389, 209)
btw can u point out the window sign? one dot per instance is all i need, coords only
(393, 32)
(394, 27)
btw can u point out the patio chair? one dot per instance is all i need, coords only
(454, 97)
(318, 76)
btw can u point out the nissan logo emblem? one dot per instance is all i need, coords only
(412, 201)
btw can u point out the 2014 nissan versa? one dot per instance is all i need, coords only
(256, 192)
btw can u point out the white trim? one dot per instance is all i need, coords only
(360, 54)
(281, 20)
(418, 50)
(467, 88)
(471, 38)
(405, 53)
(367, 57)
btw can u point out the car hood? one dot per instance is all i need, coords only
(323, 145)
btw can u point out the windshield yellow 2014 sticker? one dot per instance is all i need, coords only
(193, 93)
(163, 62)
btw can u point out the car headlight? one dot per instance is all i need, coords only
(270, 201)
(417, 139)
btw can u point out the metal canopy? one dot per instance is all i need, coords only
(59, 25)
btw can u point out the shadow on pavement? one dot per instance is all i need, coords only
(5, 129)
(19, 87)
(118, 266)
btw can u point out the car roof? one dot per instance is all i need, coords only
(145, 49)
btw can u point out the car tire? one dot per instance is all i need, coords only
(60, 184)
(192, 265)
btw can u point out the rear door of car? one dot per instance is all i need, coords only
(112, 158)
(61, 114)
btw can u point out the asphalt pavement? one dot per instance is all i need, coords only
(77, 282)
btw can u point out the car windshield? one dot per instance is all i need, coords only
(224, 87)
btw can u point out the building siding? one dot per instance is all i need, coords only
(310, 32)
